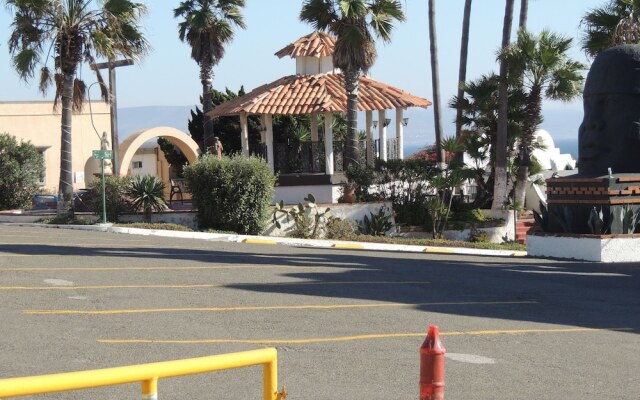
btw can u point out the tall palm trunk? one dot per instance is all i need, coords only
(352, 83)
(524, 13)
(65, 185)
(500, 184)
(462, 72)
(435, 81)
(530, 123)
(206, 77)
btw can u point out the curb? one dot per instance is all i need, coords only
(268, 240)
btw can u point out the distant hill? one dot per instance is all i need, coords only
(133, 119)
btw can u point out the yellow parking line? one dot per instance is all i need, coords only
(350, 246)
(440, 250)
(361, 337)
(266, 308)
(91, 287)
(259, 241)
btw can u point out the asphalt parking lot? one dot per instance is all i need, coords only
(346, 324)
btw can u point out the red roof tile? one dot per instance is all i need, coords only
(316, 44)
(306, 94)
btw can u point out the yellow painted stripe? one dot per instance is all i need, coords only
(363, 337)
(259, 241)
(266, 308)
(520, 254)
(214, 285)
(441, 250)
(351, 246)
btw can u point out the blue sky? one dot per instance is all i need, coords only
(167, 76)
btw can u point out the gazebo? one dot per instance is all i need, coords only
(317, 89)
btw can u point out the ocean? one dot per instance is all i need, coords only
(566, 145)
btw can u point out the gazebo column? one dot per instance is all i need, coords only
(382, 135)
(244, 134)
(328, 143)
(268, 120)
(369, 130)
(314, 127)
(315, 149)
(263, 129)
(399, 134)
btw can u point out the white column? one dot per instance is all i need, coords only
(269, 141)
(314, 127)
(263, 129)
(382, 135)
(244, 134)
(399, 134)
(369, 130)
(328, 143)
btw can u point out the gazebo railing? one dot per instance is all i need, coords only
(309, 157)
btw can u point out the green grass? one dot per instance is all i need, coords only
(158, 225)
(437, 242)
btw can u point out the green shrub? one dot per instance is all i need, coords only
(146, 193)
(340, 229)
(165, 226)
(117, 202)
(377, 224)
(232, 193)
(22, 166)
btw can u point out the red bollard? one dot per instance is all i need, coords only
(432, 366)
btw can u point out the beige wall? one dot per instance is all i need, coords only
(38, 123)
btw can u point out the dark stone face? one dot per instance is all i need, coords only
(609, 136)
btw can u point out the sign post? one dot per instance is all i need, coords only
(101, 155)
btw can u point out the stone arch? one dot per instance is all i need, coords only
(183, 141)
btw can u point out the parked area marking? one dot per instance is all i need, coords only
(362, 337)
(213, 285)
(263, 308)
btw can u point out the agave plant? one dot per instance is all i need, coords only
(147, 194)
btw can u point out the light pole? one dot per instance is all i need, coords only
(111, 65)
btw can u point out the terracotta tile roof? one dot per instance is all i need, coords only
(316, 44)
(305, 94)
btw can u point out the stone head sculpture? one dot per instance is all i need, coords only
(609, 136)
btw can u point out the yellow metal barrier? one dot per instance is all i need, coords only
(148, 375)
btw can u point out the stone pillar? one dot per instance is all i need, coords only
(328, 143)
(269, 141)
(244, 134)
(382, 135)
(399, 134)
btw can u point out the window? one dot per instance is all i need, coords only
(137, 164)
(43, 176)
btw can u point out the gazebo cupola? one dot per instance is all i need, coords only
(313, 53)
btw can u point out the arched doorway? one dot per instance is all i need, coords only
(183, 141)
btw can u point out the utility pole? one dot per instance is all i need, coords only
(111, 66)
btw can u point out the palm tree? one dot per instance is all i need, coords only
(207, 27)
(617, 22)
(147, 195)
(354, 24)
(72, 32)
(524, 13)
(546, 70)
(500, 184)
(479, 119)
(435, 82)
(462, 72)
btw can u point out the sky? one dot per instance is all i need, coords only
(169, 77)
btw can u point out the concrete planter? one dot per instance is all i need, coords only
(599, 248)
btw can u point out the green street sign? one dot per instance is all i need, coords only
(102, 154)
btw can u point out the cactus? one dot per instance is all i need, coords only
(597, 223)
(542, 218)
(378, 224)
(630, 219)
(308, 220)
